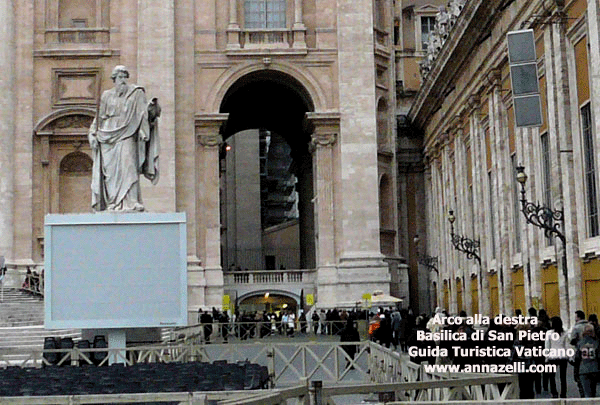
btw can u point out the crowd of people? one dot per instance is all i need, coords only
(538, 340)
(33, 282)
(577, 346)
(258, 324)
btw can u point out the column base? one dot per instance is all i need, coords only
(205, 288)
(345, 285)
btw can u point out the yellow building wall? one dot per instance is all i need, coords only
(591, 286)
(575, 10)
(459, 294)
(446, 296)
(519, 290)
(550, 295)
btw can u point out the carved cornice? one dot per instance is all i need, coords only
(323, 122)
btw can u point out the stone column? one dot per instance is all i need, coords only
(156, 73)
(323, 141)
(206, 280)
(298, 29)
(233, 29)
(7, 127)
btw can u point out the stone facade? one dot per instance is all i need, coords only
(330, 75)
(472, 146)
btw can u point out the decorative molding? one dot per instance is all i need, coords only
(71, 121)
(76, 53)
(209, 128)
(494, 78)
(473, 104)
(75, 86)
(323, 139)
(60, 118)
(210, 140)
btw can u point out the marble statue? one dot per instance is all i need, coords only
(124, 141)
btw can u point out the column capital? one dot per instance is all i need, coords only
(473, 104)
(494, 78)
(323, 139)
(210, 140)
(208, 129)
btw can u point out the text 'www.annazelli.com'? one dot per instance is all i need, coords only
(516, 367)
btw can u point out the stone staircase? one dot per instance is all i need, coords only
(22, 326)
(19, 308)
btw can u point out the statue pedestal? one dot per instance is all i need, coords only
(115, 271)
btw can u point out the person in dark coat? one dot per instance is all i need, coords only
(206, 320)
(349, 334)
(383, 334)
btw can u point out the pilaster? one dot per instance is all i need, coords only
(478, 158)
(210, 281)
(322, 143)
(233, 28)
(7, 127)
(155, 61)
(298, 29)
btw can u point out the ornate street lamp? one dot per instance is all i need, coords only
(463, 244)
(430, 262)
(551, 221)
(539, 215)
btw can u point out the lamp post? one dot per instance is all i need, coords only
(466, 245)
(551, 221)
(539, 215)
(430, 262)
(463, 244)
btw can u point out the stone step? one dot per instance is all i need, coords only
(19, 308)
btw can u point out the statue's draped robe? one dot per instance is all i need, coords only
(121, 127)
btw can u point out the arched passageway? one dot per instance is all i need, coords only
(266, 175)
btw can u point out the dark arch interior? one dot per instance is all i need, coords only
(273, 101)
(269, 100)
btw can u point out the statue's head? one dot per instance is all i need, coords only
(119, 69)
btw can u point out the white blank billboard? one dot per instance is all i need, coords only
(109, 270)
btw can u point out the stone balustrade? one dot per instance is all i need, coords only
(269, 277)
